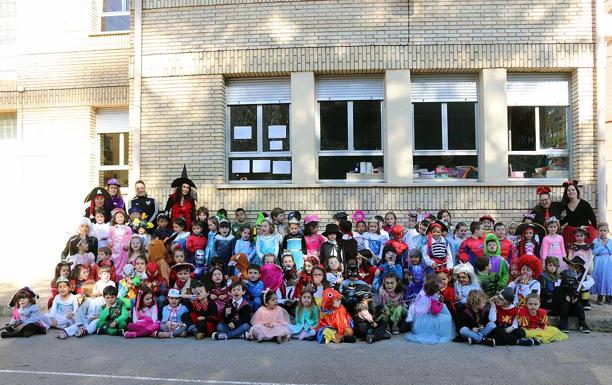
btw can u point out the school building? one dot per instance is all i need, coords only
(317, 106)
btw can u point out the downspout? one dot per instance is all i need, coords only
(135, 108)
(600, 73)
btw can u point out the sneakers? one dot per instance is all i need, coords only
(584, 329)
(386, 336)
(247, 336)
(525, 342)
(566, 331)
(470, 341)
(370, 338)
(394, 329)
(587, 307)
(488, 341)
(537, 341)
(218, 336)
(200, 336)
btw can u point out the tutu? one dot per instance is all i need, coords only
(548, 334)
(432, 329)
(602, 274)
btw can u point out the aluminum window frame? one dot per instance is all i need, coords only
(125, 4)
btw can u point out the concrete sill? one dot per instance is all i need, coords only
(110, 33)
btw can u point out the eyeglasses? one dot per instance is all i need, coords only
(317, 275)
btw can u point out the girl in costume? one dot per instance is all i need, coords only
(527, 283)
(295, 243)
(79, 275)
(87, 315)
(392, 298)
(531, 234)
(444, 279)
(306, 317)
(318, 284)
(244, 245)
(100, 228)
(118, 240)
(116, 201)
(313, 239)
(375, 241)
(548, 281)
(535, 322)
(213, 228)
(219, 293)
(437, 251)
(180, 235)
(26, 319)
(267, 242)
(62, 269)
(171, 324)
(465, 282)
(224, 241)
(335, 324)
(432, 322)
(367, 272)
(135, 249)
(270, 321)
(182, 202)
(65, 304)
(83, 232)
(359, 235)
(417, 271)
(552, 244)
(145, 321)
(390, 221)
(602, 273)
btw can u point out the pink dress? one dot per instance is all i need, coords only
(119, 240)
(145, 323)
(313, 244)
(278, 317)
(553, 246)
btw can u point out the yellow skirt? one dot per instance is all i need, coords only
(548, 334)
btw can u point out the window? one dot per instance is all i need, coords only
(538, 122)
(445, 121)
(114, 16)
(8, 126)
(114, 143)
(258, 129)
(350, 121)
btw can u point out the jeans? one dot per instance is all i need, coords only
(233, 333)
(477, 336)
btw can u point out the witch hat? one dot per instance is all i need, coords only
(178, 182)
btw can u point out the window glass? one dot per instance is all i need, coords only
(461, 126)
(334, 125)
(553, 127)
(427, 126)
(243, 124)
(521, 122)
(8, 125)
(109, 149)
(446, 166)
(366, 125)
(339, 167)
(276, 127)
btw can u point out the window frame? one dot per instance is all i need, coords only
(15, 137)
(123, 157)
(125, 4)
(260, 153)
(350, 151)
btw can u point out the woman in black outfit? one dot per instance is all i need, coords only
(578, 213)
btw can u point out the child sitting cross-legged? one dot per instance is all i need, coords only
(114, 315)
(26, 320)
(270, 321)
(235, 316)
(474, 322)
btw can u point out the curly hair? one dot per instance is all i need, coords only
(533, 263)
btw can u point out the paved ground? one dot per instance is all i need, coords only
(583, 359)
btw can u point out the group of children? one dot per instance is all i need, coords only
(357, 280)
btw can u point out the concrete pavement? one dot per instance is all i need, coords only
(583, 359)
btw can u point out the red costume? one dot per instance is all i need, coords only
(528, 321)
(508, 251)
(332, 317)
(196, 242)
(505, 317)
(471, 249)
(186, 210)
(155, 281)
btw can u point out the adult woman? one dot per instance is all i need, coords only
(181, 203)
(98, 198)
(546, 208)
(116, 201)
(83, 232)
(578, 213)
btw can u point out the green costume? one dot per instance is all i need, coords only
(119, 313)
(499, 265)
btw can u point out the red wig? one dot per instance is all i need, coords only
(533, 263)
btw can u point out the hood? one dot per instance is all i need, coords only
(486, 250)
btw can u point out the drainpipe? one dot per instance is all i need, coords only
(135, 108)
(600, 71)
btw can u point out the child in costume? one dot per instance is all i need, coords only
(272, 275)
(104, 254)
(416, 239)
(335, 324)
(389, 266)
(602, 273)
(549, 279)
(489, 281)
(334, 272)
(584, 251)
(499, 265)
(437, 251)
(254, 287)
(348, 244)
(267, 242)
(370, 323)
(456, 239)
(202, 316)
(390, 221)
(319, 284)
(331, 248)
(156, 283)
(487, 222)
(535, 322)
(306, 317)
(527, 283)
(196, 240)
(87, 315)
(566, 302)
(64, 307)
(219, 293)
(235, 316)
(465, 281)
(118, 240)
(444, 279)
(552, 244)
(401, 247)
(100, 228)
(367, 272)
(224, 241)
(581, 267)
(213, 228)
(313, 239)
(295, 243)
(140, 267)
(129, 285)
(184, 283)
(83, 256)
(162, 231)
(375, 241)
(392, 298)
(474, 324)
(507, 247)
(504, 313)
(145, 321)
(104, 280)
(114, 314)
(432, 322)
(62, 269)
(26, 319)
(80, 274)
(180, 235)
(473, 246)
(244, 245)
(270, 321)
(359, 235)
(529, 243)
(171, 323)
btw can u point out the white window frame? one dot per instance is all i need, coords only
(260, 153)
(125, 4)
(16, 129)
(445, 151)
(122, 166)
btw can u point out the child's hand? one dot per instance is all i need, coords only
(509, 329)
(268, 325)
(222, 297)
(374, 324)
(200, 318)
(213, 297)
(231, 325)
(53, 322)
(228, 311)
(113, 324)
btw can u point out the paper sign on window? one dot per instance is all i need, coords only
(281, 167)
(240, 166)
(276, 145)
(243, 132)
(277, 132)
(261, 166)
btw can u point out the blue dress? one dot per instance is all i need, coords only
(432, 329)
(602, 272)
(294, 245)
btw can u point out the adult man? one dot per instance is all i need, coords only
(146, 204)
(546, 208)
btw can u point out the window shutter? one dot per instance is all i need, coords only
(112, 120)
(444, 88)
(537, 90)
(366, 87)
(258, 91)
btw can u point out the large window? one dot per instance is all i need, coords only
(258, 129)
(114, 15)
(538, 121)
(114, 143)
(8, 126)
(445, 112)
(350, 128)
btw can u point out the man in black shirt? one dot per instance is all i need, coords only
(546, 208)
(146, 204)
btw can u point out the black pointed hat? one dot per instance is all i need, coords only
(98, 191)
(178, 182)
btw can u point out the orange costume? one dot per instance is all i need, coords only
(335, 322)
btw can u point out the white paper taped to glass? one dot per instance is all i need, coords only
(281, 167)
(243, 132)
(276, 145)
(240, 166)
(277, 132)
(261, 165)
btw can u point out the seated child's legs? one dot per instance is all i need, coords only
(469, 333)
(489, 327)
(237, 332)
